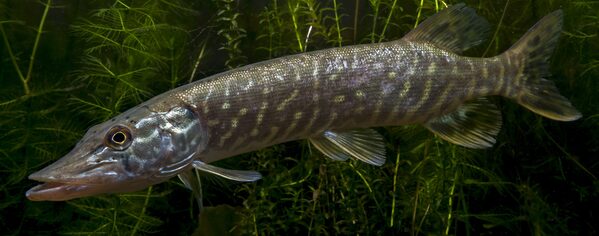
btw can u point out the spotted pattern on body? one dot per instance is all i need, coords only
(301, 96)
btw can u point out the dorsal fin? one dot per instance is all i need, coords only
(363, 144)
(456, 29)
(474, 124)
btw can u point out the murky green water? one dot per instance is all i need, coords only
(95, 59)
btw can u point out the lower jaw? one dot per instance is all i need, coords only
(59, 191)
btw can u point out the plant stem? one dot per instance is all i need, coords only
(497, 29)
(375, 5)
(337, 23)
(293, 11)
(13, 59)
(394, 188)
(356, 12)
(35, 46)
(450, 203)
(197, 62)
(387, 21)
(419, 12)
(143, 211)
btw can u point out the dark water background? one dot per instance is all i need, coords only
(95, 59)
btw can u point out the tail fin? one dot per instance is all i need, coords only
(537, 94)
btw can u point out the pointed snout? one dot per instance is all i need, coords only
(68, 169)
(43, 175)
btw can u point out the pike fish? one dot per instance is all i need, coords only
(331, 97)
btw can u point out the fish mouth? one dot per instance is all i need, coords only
(57, 191)
(59, 185)
(54, 188)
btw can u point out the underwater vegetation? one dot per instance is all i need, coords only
(66, 65)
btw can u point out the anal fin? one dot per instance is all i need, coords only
(363, 144)
(475, 124)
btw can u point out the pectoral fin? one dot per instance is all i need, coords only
(236, 175)
(187, 179)
(474, 124)
(193, 183)
(363, 144)
(173, 168)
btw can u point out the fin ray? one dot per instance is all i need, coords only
(363, 144)
(329, 149)
(538, 94)
(474, 124)
(236, 175)
(173, 168)
(457, 29)
(193, 183)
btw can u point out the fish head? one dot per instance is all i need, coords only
(134, 150)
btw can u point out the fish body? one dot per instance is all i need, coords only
(331, 97)
(302, 96)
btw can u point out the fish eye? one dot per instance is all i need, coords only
(118, 137)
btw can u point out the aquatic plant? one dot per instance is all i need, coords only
(65, 67)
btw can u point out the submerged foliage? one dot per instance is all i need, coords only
(69, 64)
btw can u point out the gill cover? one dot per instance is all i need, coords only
(169, 141)
(134, 150)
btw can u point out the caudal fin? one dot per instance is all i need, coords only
(536, 93)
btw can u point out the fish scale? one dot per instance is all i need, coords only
(272, 95)
(331, 97)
